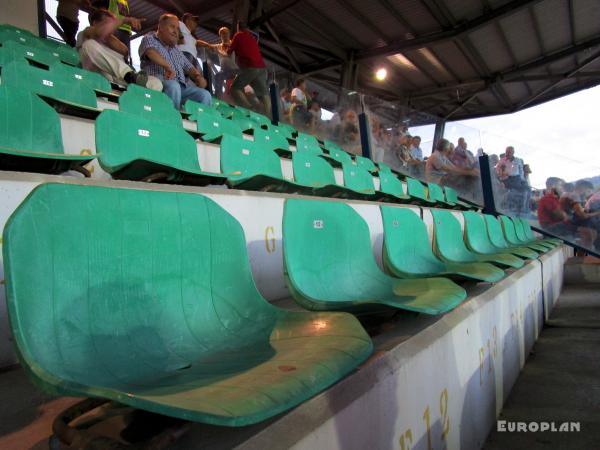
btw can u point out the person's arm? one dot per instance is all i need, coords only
(115, 44)
(294, 99)
(154, 56)
(580, 213)
(194, 74)
(234, 44)
(102, 31)
(203, 44)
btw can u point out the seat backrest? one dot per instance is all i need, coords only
(509, 230)
(495, 231)
(384, 167)
(17, 51)
(325, 241)
(270, 140)
(527, 228)
(67, 54)
(390, 184)
(225, 109)
(122, 138)
(415, 189)
(281, 131)
(48, 83)
(213, 127)
(476, 233)
(28, 123)
(449, 240)
(358, 179)
(365, 163)
(152, 105)
(244, 122)
(451, 195)
(260, 119)
(436, 193)
(330, 145)
(341, 156)
(162, 279)
(406, 244)
(78, 75)
(311, 170)
(519, 231)
(192, 107)
(241, 158)
(309, 143)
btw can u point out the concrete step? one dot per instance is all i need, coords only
(582, 270)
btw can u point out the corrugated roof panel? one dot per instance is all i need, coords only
(464, 9)
(417, 15)
(490, 46)
(520, 34)
(587, 18)
(453, 58)
(381, 18)
(553, 17)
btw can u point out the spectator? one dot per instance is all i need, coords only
(286, 102)
(67, 16)
(510, 171)
(550, 214)
(189, 46)
(315, 114)
(229, 68)
(576, 216)
(252, 68)
(462, 157)
(377, 140)
(593, 203)
(120, 9)
(299, 113)
(415, 148)
(348, 132)
(102, 52)
(439, 168)
(161, 58)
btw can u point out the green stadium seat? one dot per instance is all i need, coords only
(315, 172)
(158, 309)
(436, 194)
(225, 109)
(329, 265)
(407, 252)
(283, 131)
(528, 232)
(478, 238)
(523, 237)
(191, 107)
(31, 137)
(245, 123)
(149, 104)
(496, 236)
(339, 158)
(308, 143)
(271, 141)
(365, 163)
(382, 167)
(453, 200)
(450, 245)
(510, 233)
(331, 146)
(287, 128)
(416, 191)
(77, 75)
(390, 184)
(66, 96)
(262, 120)
(132, 147)
(213, 128)
(247, 166)
(359, 181)
(16, 51)
(66, 54)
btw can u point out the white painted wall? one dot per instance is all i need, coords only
(20, 13)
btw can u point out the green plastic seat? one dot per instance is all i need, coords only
(288, 128)
(478, 239)
(67, 54)
(407, 252)
(340, 158)
(19, 74)
(510, 233)
(308, 143)
(329, 265)
(154, 306)
(365, 163)
(272, 141)
(436, 194)
(331, 146)
(31, 136)
(359, 181)
(247, 166)
(132, 147)
(496, 236)
(531, 237)
(281, 130)
(262, 120)
(390, 184)
(77, 75)
(213, 128)
(17, 51)
(315, 172)
(225, 109)
(522, 235)
(149, 104)
(191, 107)
(416, 191)
(453, 200)
(450, 245)
(244, 122)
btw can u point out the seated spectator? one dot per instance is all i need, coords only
(286, 102)
(377, 140)
(228, 67)
(315, 114)
(550, 214)
(252, 68)
(161, 58)
(415, 148)
(510, 171)
(576, 216)
(299, 114)
(102, 52)
(67, 16)
(593, 203)
(439, 169)
(349, 135)
(462, 157)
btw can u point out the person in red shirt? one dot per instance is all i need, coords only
(550, 214)
(252, 68)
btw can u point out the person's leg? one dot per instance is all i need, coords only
(104, 60)
(196, 94)
(154, 83)
(237, 88)
(173, 90)
(125, 38)
(69, 28)
(259, 85)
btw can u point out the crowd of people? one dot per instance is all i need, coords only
(168, 55)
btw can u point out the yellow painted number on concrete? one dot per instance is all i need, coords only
(481, 358)
(406, 440)
(87, 152)
(427, 419)
(444, 414)
(270, 239)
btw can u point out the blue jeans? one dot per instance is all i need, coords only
(180, 93)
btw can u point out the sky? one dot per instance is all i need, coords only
(557, 138)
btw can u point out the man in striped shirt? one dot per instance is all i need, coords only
(161, 58)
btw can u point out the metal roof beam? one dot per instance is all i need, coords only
(268, 15)
(290, 56)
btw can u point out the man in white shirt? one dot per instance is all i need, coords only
(187, 26)
(510, 171)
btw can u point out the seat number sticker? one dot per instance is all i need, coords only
(318, 224)
(395, 223)
(148, 95)
(147, 108)
(216, 124)
(268, 138)
(47, 83)
(144, 133)
(79, 77)
(306, 164)
(245, 151)
(30, 54)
